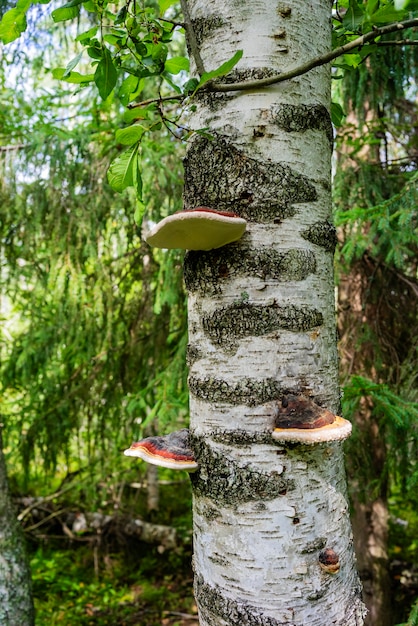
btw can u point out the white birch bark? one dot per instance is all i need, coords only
(262, 324)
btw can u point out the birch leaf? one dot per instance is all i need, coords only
(105, 75)
(122, 172)
(222, 70)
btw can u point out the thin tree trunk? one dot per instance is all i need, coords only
(262, 325)
(16, 607)
(370, 524)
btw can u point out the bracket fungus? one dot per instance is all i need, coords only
(300, 420)
(197, 229)
(170, 451)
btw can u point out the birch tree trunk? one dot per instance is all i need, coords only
(16, 608)
(262, 325)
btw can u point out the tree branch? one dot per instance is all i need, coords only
(297, 71)
(399, 42)
(143, 103)
(194, 47)
(321, 60)
(13, 147)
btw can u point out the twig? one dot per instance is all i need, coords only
(194, 47)
(398, 42)
(187, 616)
(297, 71)
(44, 520)
(17, 146)
(143, 103)
(40, 501)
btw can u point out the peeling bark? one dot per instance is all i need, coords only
(272, 537)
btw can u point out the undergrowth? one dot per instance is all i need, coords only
(142, 587)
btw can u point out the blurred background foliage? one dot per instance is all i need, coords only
(94, 327)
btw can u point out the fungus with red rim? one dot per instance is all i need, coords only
(170, 451)
(197, 229)
(301, 420)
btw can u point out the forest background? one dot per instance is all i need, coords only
(94, 330)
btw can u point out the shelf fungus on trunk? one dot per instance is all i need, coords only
(170, 451)
(301, 420)
(197, 229)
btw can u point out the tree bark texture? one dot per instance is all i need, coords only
(16, 607)
(262, 324)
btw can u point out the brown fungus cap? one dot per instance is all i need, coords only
(197, 229)
(301, 420)
(171, 451)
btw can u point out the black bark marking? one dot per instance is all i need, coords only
(315, 545)
(321, 234)
(248, 391)
(215, 603)
(220, 176)
(241, 438)
(227, 483)
(242, 319)
(194, 353)
(303, 117)
(247, 74)
(205, 272)
(204, 27)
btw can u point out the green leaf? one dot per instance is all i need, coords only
(354, 16)
(12, 25)
(165, 4)
(121, 15)
(387, 14)
(337, 114)
(176, 65)
(130, 135)
(139, 212)
(123, 171)
(72, 64)
(128, 87)
(135, 114)
(171, 83)
(222, 70)
(60, 73)
(105, 75)
(190, 86)
(371, 6)
(85, 37)
(23, 5)
(159, 52)
(67, 12)
(114, 40)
